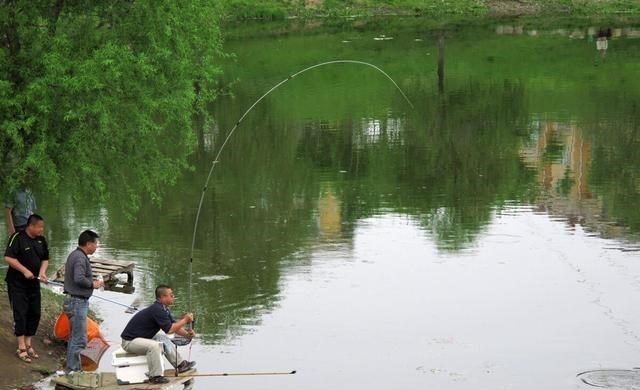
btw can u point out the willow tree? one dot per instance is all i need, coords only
(101, 95)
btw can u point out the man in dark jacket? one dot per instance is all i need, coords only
(28, 257)
(79, 285)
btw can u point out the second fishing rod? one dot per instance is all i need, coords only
(130, 308)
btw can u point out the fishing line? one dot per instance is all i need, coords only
(130, 307)
(215, 160)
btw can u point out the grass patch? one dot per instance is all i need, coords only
(266, 10)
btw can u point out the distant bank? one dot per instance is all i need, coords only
(283, 9)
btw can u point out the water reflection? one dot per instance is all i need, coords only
(329, 214)
(589, 32)
(477, 148)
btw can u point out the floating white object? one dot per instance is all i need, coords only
(214, 277)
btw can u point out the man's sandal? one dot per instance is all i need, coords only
(23, 355)
(32, 353)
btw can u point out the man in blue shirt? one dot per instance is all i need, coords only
(146, 334)
(18, 206)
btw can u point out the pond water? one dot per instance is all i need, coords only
(486, 238)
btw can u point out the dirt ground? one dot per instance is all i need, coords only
(14, 373)
(513, 8)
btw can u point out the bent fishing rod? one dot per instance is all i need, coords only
(215, 160)
(129, 307)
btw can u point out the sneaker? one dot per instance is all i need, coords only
(156, 380)
(185, 366)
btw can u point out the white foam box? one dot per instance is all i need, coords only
(130, 368)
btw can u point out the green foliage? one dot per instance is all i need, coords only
(101, 95)
(246, 9)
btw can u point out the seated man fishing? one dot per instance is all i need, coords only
(146, 334)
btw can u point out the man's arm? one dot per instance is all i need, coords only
(42, 275)
(178, 326)
(187, 332)
(15, 264)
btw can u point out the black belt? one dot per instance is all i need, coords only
(79, 297)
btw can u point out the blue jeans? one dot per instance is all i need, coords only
(76, 309)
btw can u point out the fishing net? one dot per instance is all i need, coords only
(91, 355)
(180, 340)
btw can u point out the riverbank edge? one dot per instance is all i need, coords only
(20, 375)
(241, 10)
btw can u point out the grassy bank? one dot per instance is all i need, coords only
(281, 9)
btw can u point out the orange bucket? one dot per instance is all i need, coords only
(62, 328)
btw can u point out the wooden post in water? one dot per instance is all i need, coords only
(440, 44)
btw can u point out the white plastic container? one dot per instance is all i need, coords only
(130, 368)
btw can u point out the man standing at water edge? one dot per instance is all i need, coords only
(28, 257)
(146, 334)
(18, 206)
(79, 285)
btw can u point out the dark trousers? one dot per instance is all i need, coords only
(25, 303)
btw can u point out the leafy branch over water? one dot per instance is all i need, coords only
(100, 96)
